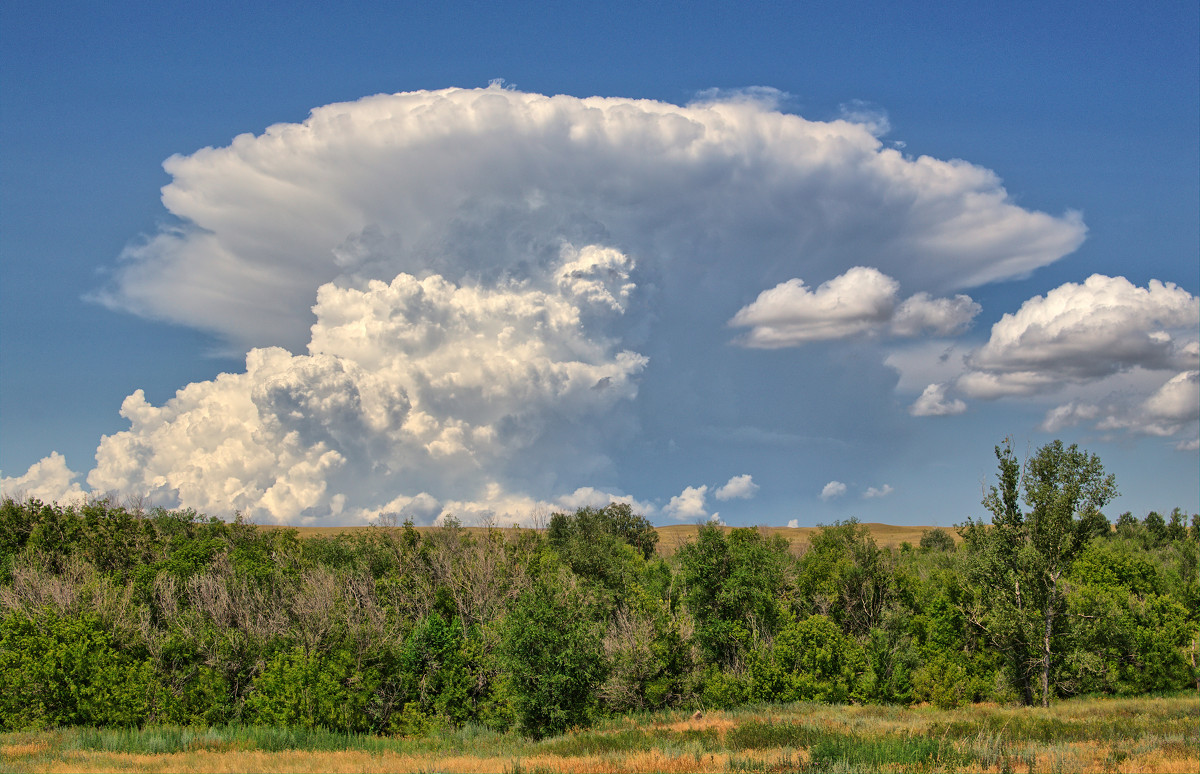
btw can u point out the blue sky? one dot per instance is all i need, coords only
(671, 334)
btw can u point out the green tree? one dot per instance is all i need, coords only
(937, 540)
(552, 649)
(1022, 560)
(846, 576)
(733, 587)
(605, 546)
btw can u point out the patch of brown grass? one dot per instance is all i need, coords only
(713, 720)
(368, 763)
(28, 748)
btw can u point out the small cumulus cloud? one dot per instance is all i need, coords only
(689, 504)
(933, 403)
(738, 488)
(873, 492)
(793, 523)
(833, 489)
(862, 300)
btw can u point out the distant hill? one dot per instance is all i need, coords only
(672, 536)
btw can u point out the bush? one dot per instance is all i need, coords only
(311, 690)
(555, 660)
(810, 660)
(63, 671)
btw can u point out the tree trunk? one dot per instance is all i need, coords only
(1046, 641)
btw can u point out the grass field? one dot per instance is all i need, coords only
(675, 535)
(1081, 735)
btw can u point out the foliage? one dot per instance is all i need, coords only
(733, 586)
(555, 660)
(59, 671)
(809, 660)
(118, 616)
(1021, 562)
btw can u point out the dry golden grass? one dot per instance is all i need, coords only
(354, 761)
(1120, 735)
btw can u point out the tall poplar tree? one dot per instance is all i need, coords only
(1020, 562)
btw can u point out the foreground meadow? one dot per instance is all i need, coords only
(1080, 735)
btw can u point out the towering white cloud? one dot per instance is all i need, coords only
(449, 298)
(409, 386)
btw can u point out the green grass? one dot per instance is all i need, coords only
(765, 738)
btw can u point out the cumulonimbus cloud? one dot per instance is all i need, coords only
(448, 297)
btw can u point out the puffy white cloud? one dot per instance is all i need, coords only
(1178, 400)
(1081, 333)
(590, 497)
(49, 480)
(873, 492)
(939, 316)
(1106, 342)
(689, 504)
(419, 382)
(833, 489)
(862, 300)
(739, 487)
(489, 182)
(933, 403)
(790, 314)
(1171, 410)
(793, 523)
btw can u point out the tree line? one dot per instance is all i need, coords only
(114, 616)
